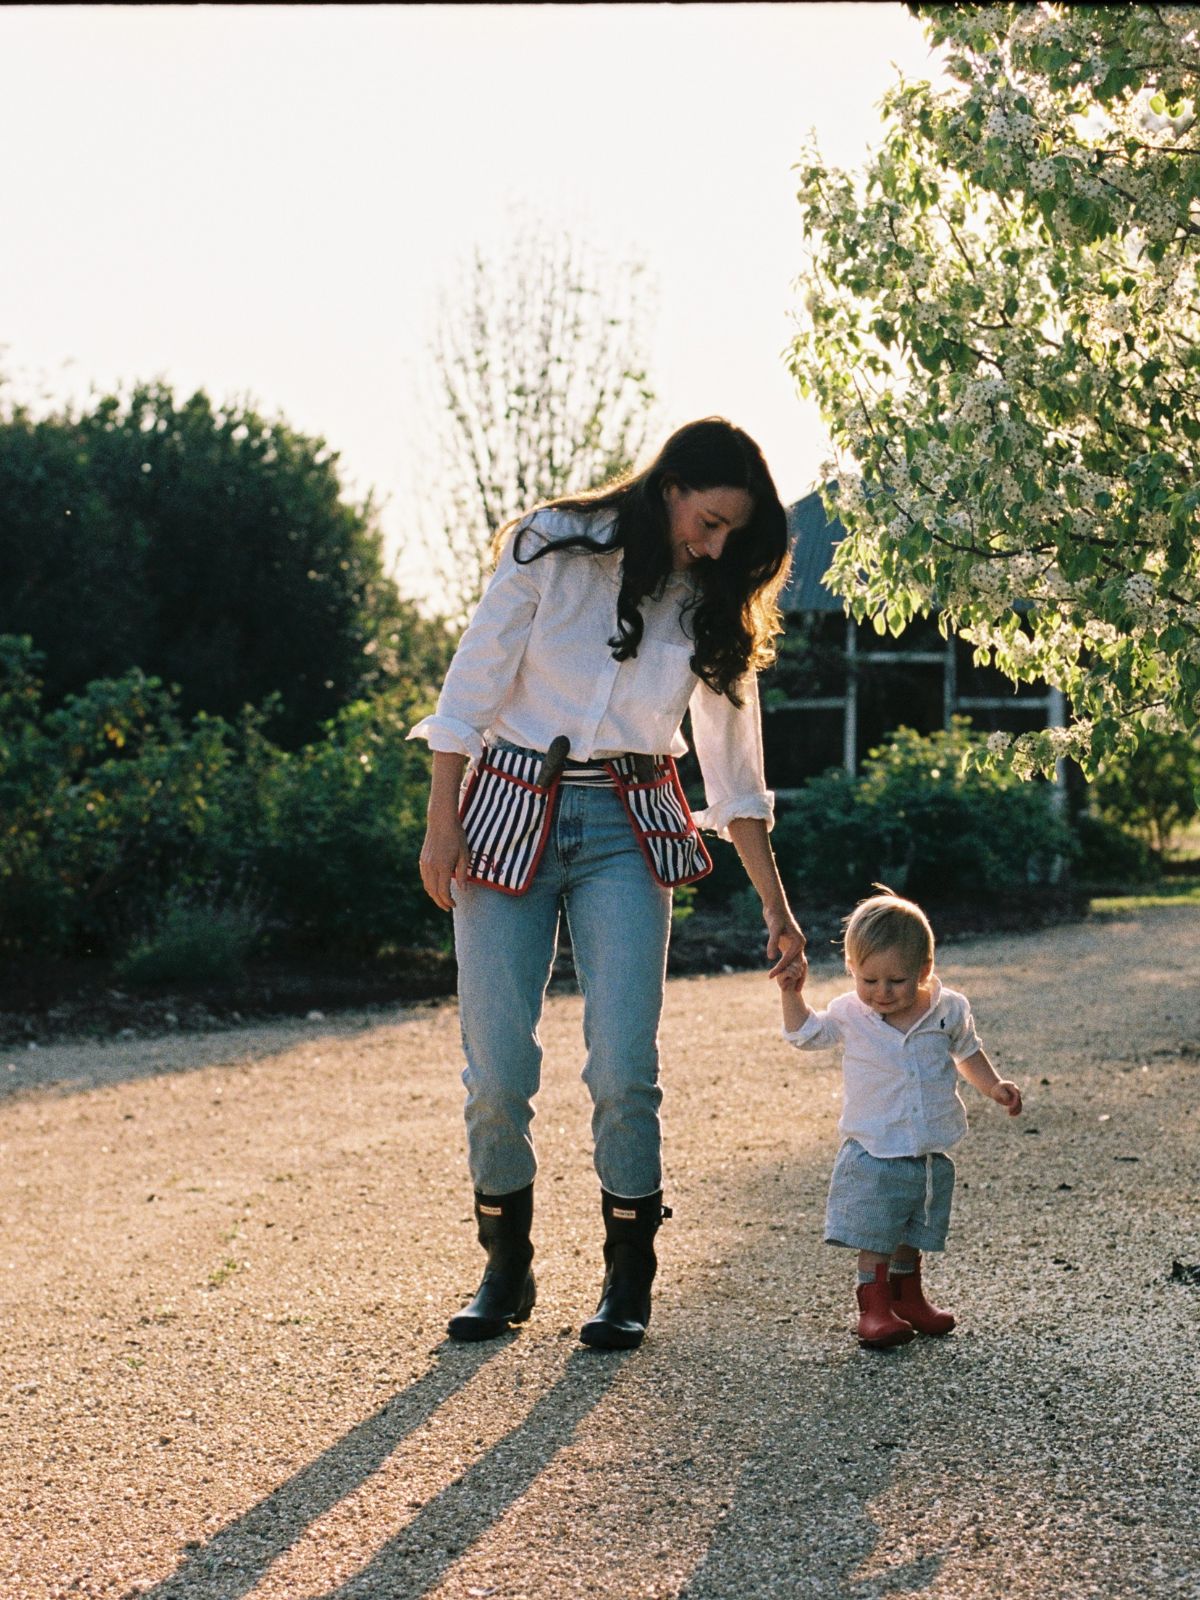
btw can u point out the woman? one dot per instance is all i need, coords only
(608, 617)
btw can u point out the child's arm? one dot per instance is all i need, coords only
(982, 1075)
(796, 1009)
(822, 1029)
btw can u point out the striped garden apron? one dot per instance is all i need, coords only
(506, 815)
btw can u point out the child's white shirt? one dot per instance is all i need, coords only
(900, 1089)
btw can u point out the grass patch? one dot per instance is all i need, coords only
(1173, 892)
(222, 1274)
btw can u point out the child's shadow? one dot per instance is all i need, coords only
(909, 1575)
(799, 1521)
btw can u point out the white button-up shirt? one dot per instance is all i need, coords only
(900, 1090)
(535, 662)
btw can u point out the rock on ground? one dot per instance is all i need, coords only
(227, 1261)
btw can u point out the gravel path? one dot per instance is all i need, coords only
(227, 1261)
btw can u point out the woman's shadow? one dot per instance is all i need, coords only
(796, 1450)
(235, 1560)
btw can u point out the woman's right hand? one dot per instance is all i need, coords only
(444, 855)
(444, 858)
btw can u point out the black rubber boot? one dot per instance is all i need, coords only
(629, 1268)
(508, 1291)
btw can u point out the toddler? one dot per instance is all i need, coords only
(905, 1038)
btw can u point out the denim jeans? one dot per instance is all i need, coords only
(619, 919)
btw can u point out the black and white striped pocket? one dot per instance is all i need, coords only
(506, 818)
(662, 821)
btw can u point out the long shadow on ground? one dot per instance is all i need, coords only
(234, 1559)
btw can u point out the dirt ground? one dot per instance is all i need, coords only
(228, 1258)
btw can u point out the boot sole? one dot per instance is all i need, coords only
(602, 1336)
(892, 1342)
(473, 1330)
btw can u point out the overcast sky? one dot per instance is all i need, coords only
(263, 201)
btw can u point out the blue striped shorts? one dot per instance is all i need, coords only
(878, 1202)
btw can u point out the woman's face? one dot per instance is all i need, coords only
(699, 521)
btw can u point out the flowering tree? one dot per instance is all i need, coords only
(1003, 331)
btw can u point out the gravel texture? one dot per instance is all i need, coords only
(227, 1261)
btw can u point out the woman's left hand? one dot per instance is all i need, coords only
(785, 944)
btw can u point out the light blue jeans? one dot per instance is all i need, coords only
(619, 920)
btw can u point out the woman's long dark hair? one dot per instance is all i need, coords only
(733, 618)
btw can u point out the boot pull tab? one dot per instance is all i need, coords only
(667, 1212)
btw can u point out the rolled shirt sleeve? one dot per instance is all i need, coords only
(486, 662)
(820, 1030)
(963, 1039)
(728, 741)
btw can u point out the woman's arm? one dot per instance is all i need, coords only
(481, 673)
(444, 854)
(785, 941)
(728, 742)
(486, 660)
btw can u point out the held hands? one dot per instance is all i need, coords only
(792, 976)
(444, 858)
(1006, 1094)
(785, 946)
(790, 973)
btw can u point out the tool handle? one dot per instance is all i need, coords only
(556, 760)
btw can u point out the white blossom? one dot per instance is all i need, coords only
(1028, 321)
(1139, 590)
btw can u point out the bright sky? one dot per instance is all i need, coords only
(262, 201)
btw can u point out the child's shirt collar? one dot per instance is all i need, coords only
(935, 996)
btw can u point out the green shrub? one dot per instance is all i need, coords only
(683, 903)
(194, 942)
(918, 821)
(1109, 855)
(105, 805)
(343, 825)
(1152, 791)
(112, 810)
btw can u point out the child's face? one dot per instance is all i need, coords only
(888, 982)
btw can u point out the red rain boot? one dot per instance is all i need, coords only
(909, 1302)
(878, 1325)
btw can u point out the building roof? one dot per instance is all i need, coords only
(813, 539)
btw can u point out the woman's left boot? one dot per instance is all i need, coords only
(629, 1267)
(909, 1302)
(508, 1292)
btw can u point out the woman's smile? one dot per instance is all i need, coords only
(700, 521)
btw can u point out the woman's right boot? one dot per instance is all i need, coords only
(508, 1291)
(879, 1328)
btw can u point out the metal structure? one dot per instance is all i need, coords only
(813, 540)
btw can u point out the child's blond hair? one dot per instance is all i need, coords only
(888, 922)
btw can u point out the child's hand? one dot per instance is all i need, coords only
(1008, 1095)
(792, 976)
